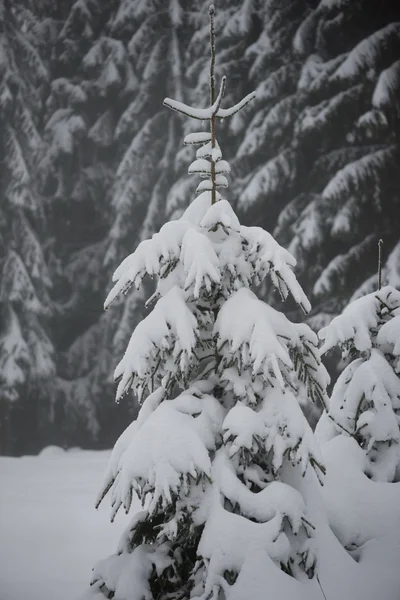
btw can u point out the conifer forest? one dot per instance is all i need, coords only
(91, 164)
(200, 268)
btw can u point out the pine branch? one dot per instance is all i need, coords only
(202, 114)
(222, 113)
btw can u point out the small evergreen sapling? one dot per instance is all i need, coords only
(365, 402)
(220, 443)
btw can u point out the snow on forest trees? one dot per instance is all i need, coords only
(322, 134)
(26, 352)
(365, 402)
(155, 36)
(315, 153)
(219, 374)
(103, 131)
(352, 122)
(76, 168)
(307, 128)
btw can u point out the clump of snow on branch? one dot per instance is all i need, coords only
(367, 54)
(388, 86)
(169, 331)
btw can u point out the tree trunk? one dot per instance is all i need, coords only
(5, 432)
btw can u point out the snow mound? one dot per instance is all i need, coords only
(51, 452)
(359, 509)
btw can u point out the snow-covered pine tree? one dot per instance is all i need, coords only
(256, 37)
(92, 83)
(365, 402)
(349, 126)
(103, 128)
(156, 37)
(268, 134)
(237, 28)
(319, 151)
(218, 451)
(26, 351)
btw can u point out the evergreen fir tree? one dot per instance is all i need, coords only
(347, 194)
(237, 28)
(92, 83)
(219, 448)
(365, 402)
(319, 152)
(154, 37)
(26, 351)
(103, 128)
(275, 70)
(315, 155)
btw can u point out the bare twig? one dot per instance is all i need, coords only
(380, 244)
(322, 589)
(211, 12)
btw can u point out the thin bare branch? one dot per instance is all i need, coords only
(380, 244)
(211, 12)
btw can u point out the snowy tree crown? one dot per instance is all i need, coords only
(219, 375)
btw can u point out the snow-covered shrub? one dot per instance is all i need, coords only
(221, 452)
(365, 402)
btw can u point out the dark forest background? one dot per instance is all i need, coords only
(91, 164)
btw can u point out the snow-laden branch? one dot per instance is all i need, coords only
(206, 114)
(148, 258)
(200, 262)
(389, 335)
(256, 339)
(207, 151)
(356, 324)
(200, 166)
(361, 174)
(202, 114)
(248, 329)
(365, 401)
(267, 256)
(198, 137)
(369, 52)
(222, 113)
(278, 426)
(144, 461)
(387, 89)
(261, 506)
(207, 184)
(169, 330)
(363, 405)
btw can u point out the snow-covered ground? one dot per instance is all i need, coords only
(50, 533)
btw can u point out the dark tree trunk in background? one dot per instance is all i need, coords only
(5, 429)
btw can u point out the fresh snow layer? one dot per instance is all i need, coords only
(359, 509)
(358, 318)
(50, 533)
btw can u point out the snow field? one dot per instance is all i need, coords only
(50, 533)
